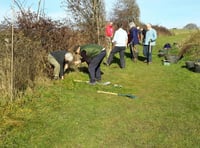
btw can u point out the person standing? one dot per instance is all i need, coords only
(60, 59)
(120, 41)
(109, 31)
(142, 39)
(134, 41)
(93, 55)
(149, 42)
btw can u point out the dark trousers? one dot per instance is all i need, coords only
(121, 54)
(94, 67)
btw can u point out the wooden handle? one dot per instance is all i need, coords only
(105, 92)
(81, 81)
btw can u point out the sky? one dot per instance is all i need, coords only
(167, 13)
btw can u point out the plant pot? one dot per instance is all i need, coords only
(172, 58)
(166, 63)
(161, 54)
(197, 67)
(189, 64)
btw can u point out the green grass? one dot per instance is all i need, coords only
(166, 112)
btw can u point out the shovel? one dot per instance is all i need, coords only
(148, 52)
(117, 94)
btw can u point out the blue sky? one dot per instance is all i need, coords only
(168, 13)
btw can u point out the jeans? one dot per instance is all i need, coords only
(121, 54)
(147, 54)
(94, 67)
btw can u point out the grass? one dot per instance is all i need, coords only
(70, 114)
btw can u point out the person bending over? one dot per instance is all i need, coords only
(60, 59)
(93, 55)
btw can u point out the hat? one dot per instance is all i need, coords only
(131, 24)
(69, 57)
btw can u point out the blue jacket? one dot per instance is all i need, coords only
(151, 36)
(134, 32)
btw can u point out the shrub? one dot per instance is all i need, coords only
(191, 47)
(162, 30)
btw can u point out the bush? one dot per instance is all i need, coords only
(33, 40)
(162, 30)
(191, 47)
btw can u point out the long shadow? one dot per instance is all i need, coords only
(140, 58)
(127, 54)
(85, 70)
(192, 69)
(70, 70)
(115, 60)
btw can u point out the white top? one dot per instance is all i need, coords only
(120, 38)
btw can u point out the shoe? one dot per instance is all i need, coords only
(92, 83)
(55, 77)
(134, 60)
(98, 80)
(145, 61)
(105, 63)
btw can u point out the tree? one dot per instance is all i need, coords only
(89, 17)
(126, 11)
(190, 26)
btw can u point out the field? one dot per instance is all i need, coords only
(165, 113)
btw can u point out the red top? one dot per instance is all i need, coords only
(109, 30)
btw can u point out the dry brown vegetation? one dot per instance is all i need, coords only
(191, 47)
(162, 30)
(33, 40)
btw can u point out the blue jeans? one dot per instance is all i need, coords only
(146, 53)
(94, 67)
(121, 54)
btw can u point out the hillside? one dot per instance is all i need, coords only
(165, 113)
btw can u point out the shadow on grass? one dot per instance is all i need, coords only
(140, 58)
(190, 69)
(85, 70)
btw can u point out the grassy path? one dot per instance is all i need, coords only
(61, 114)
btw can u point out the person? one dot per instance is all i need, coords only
(93, 55)
(134, 41)
(149, 43)
(60, 59)
(142, 39)
(120, 41)
(109, 31)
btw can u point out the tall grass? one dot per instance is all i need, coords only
(70, 114)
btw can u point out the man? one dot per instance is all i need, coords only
(142, 39)
(120, 41)
(60, 60)
(134, 41)
(93, 55)
(149, 42)
(109, 34)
